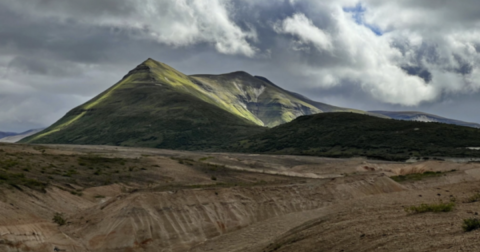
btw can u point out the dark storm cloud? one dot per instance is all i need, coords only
(56, 54)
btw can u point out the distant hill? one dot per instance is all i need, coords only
(350, 134)
(423, 117)
(19, 136)
(7, 134)
(155, 105)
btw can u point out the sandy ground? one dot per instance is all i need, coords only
(163, 200)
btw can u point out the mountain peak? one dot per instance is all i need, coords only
(240, 74)
(149, 60)
(148, 67)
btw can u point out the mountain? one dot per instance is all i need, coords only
(155, 105)
(19, 136)
(351, 134)
(423, 117)
(152, 106)
(7, 134)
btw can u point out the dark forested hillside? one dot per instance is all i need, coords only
(350, 134)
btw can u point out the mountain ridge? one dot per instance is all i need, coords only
(19, 136)
(155, 105)
(422, 116)
(249, 101)
(7, 134)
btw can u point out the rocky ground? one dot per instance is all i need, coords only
(134, 199)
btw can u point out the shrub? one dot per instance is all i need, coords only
(416, 176)
(473, 198)
(204, 158)
(78, 193)
(214, 178)
(59, 219)
(470, 224)
(435, 208)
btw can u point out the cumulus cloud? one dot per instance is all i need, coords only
(177, 23)
(403, 66)
(306, 32)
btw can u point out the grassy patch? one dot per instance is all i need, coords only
(59, 219)
(434, 208)
(473, 198)
(417, 176)
(205, 158)
(70, 172)
(25, 169)
(471, 224)
(19, 179)
(77, 192)
(9, 163)
(186, 161)
(96, 160)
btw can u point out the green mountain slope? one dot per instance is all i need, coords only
(153, 106)
(350, 134)
(261, 99)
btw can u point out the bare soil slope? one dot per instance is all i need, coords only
(134, 199)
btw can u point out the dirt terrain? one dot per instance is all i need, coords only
(138, 199)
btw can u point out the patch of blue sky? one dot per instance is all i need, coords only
(358, 13)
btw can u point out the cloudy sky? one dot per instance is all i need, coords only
(370, 54)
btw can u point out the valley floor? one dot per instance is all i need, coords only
(134, 199)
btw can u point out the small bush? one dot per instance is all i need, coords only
(473, 198)
(470, 224)
(18, 179)
(214, 178)
(204, 158)
(416, 176)
(59, 219)
(78, 193)
(434, 208)
(70, 172)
